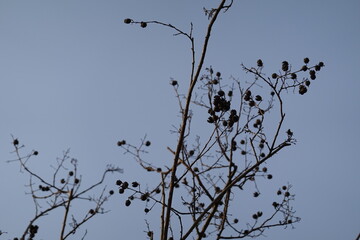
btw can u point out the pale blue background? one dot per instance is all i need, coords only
(73, 75)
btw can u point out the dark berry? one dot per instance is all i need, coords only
(285, 66)
(127, 20)
(127, 203)
(143, 24)
(135, 184)
(210, 120)
(302, 89)
(125, 185)
(144, 196)
(304, 68)
(148, 143)
(120, 143)
(260, 63)
(306, 60)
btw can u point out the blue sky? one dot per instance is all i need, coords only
(72, 75)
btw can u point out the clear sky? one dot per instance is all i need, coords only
(72, 75)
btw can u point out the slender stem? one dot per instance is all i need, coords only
(185, 119)
(67, 208)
